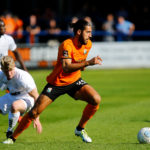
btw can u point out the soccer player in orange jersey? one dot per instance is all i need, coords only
(66, 78)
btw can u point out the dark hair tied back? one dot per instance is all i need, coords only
(80, 24)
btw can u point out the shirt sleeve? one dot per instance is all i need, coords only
(66, 51)
(28, 83)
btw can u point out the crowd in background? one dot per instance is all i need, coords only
(37, 28)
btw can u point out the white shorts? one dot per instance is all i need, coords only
(7, 100)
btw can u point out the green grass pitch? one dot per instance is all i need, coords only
(124, 110)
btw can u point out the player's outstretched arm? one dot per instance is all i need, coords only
(36, 122)
(68, 66)
(19, 59)
(95, 60)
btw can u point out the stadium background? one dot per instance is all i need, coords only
(63, 10)
(138, 10)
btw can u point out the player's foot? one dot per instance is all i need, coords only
(8, 141)
(83, 134)
(8, 134)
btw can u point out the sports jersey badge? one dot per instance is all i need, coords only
(85, 51)
(49, 90)
(65, 53)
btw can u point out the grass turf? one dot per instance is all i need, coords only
(124, 110)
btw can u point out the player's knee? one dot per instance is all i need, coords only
(14, 107)
(97, 99)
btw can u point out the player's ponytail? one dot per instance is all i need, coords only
(80, 24)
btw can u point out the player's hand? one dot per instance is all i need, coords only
(95, 60)
(37, 125)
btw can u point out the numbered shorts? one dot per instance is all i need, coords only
(7, 100)
(55, 91)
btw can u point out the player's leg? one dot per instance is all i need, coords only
(5, 106)
(88, 94)
(46, 98)
(42, 102)
(12, 121)
(18, 106)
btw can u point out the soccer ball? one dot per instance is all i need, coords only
(144, 135)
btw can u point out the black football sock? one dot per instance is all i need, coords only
(12, 138)
(79, 128)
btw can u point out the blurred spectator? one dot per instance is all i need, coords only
(53, 28)
(33, 28)
(74, 19)
(124, 29)
(9, 23)
(109, 27)
(7, 43)
(14, 25)
(19, 28)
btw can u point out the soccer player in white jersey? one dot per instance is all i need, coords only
(8, 43)
(22, 93)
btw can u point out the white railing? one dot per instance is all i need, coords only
(114, 54)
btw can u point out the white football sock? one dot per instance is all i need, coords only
(13, 118)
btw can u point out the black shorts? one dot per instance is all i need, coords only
(54, 91)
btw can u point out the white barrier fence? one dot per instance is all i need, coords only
(114, 55)
(122, 54)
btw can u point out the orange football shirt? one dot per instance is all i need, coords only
(68, 50)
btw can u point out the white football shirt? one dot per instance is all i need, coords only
(21, 82)
(6, 43)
